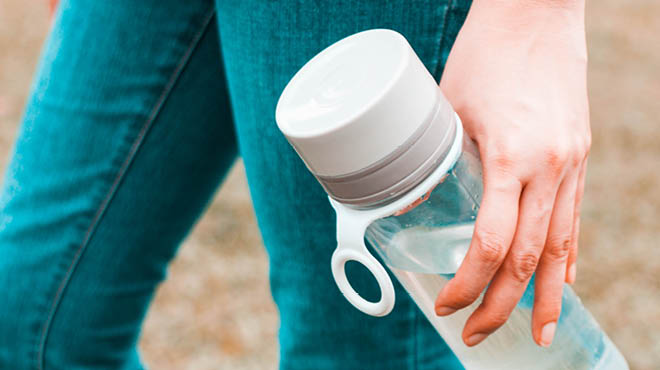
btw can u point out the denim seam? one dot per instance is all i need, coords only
(116, 182)
(441, 32)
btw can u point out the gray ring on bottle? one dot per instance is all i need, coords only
(402, 169)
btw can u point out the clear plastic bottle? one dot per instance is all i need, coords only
(371, 124)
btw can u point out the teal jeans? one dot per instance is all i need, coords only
(137, 111)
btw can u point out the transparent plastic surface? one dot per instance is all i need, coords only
(424, 244)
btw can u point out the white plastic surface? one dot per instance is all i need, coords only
(356, 102)
(352, 223)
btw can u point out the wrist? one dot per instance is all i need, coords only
(532, 5)
(521, 15)
(558, 24)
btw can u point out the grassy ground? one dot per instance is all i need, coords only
(215, 311)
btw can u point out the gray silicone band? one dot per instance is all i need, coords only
(402, 169)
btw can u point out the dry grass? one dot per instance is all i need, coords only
(215, 310)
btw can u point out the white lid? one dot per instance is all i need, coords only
(356, 102)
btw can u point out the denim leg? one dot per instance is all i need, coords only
(264, 43)
(125, 137)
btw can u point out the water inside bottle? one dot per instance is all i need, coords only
(424, 259)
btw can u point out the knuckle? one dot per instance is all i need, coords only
(502, 154)
(502, 161)
(542, 212)
(558, 246)
(461, 299)
(580, 152)
(494, 317)
(577, 160)
(557, 156)
(498, 319)
(523, 265)
(490, 247)
(550, 307)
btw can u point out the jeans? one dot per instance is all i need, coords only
(137, 111)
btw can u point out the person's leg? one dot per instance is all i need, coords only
(126, 136)
(264, 43)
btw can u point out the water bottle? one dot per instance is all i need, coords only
(372, 125)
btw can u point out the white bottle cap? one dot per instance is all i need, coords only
(366, 117)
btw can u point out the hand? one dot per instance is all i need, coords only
(517, 77)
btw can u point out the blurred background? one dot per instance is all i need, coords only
(215, 310)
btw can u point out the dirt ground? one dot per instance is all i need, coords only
(215, 310)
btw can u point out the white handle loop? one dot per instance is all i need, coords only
(351, 226)
(359, 253)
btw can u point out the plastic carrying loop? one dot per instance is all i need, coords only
(351, 247)
(353, 253)
(352, 224)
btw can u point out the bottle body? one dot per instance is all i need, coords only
(423, 245)
(373, 127)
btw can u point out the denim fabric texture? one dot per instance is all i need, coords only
(137, 111)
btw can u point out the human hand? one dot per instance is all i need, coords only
(517, 78)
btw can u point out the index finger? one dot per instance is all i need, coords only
(493, 233)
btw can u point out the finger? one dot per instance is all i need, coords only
(571, 269)
(494, 229)
(551, 272)
(512, 278)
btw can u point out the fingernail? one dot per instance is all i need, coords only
(571, 274)
(547, 333)
(444, 310)
(475, 339)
